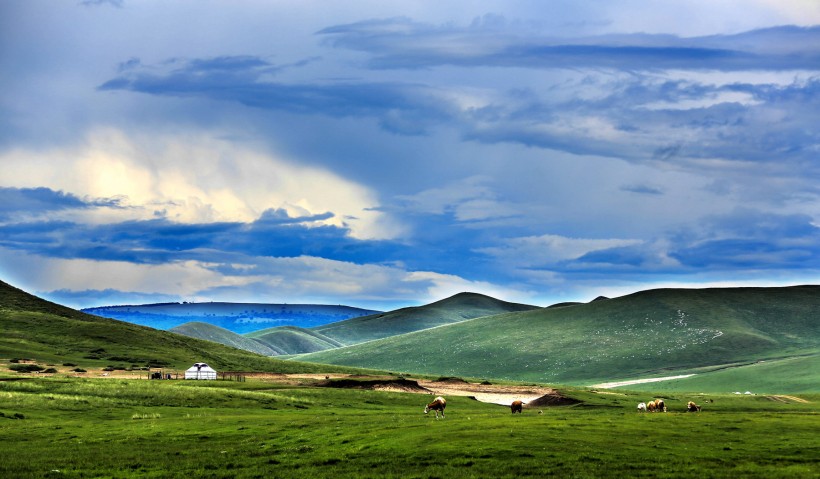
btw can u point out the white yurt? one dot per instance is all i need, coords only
(200, 371)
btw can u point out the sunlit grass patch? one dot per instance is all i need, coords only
(146, 416)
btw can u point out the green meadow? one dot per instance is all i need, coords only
(93, 427)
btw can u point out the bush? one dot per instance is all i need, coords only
(79, 370)
(26, 368)
(69, 365)
(50, 371)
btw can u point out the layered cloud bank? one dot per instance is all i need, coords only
(382, 155)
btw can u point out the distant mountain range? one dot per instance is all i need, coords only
(236, 317)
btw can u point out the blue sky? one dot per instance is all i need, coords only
(387, 154)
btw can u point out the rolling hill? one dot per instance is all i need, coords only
(296, 340)
(650, 333)
(293, 340)
(236, 317)
(33, 328)
(209, 332)
(457, 308)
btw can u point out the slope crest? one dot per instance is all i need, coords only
(457, 308)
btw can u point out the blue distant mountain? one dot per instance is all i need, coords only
(237, 317)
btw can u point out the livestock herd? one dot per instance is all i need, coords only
(655, 405)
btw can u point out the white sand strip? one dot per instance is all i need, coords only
(638, 381)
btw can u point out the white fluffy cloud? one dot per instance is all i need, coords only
(193, 178)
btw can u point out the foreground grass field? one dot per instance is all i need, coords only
(76, 427)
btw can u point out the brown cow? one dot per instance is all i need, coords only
(692, 407)
(656, 405)
(437, 405)
(517, 407)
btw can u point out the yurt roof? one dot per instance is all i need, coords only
(202, 367)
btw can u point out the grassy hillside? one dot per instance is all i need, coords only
(219, 335)
(293, 340)
(48, 333)
(651, 333)
(460, 307)
(784, 376)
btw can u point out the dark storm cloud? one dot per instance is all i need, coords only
(159, 241)
(35, 201)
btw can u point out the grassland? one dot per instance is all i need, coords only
(114, 428)
(652, 333)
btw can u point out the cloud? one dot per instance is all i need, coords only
(405, 108)
(195, 178)
(33, 202)
(404, 43)
(642, 189)
(106, 297)
(470, 199)
(547, 251)
(648, 116)
(750, 239)
(97, 3)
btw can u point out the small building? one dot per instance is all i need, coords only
(200, 371)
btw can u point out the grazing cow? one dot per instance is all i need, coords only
(692, 407)
(656, 405)
(517, 407)
(437, 405)
(641, 407)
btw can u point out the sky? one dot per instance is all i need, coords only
(384, 154)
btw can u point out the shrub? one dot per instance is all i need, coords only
(79, 370)
(50, 371)
(26, 368)
(69, 365)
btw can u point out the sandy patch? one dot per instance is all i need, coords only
(489, 393)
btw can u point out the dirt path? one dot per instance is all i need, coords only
(638, 381)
